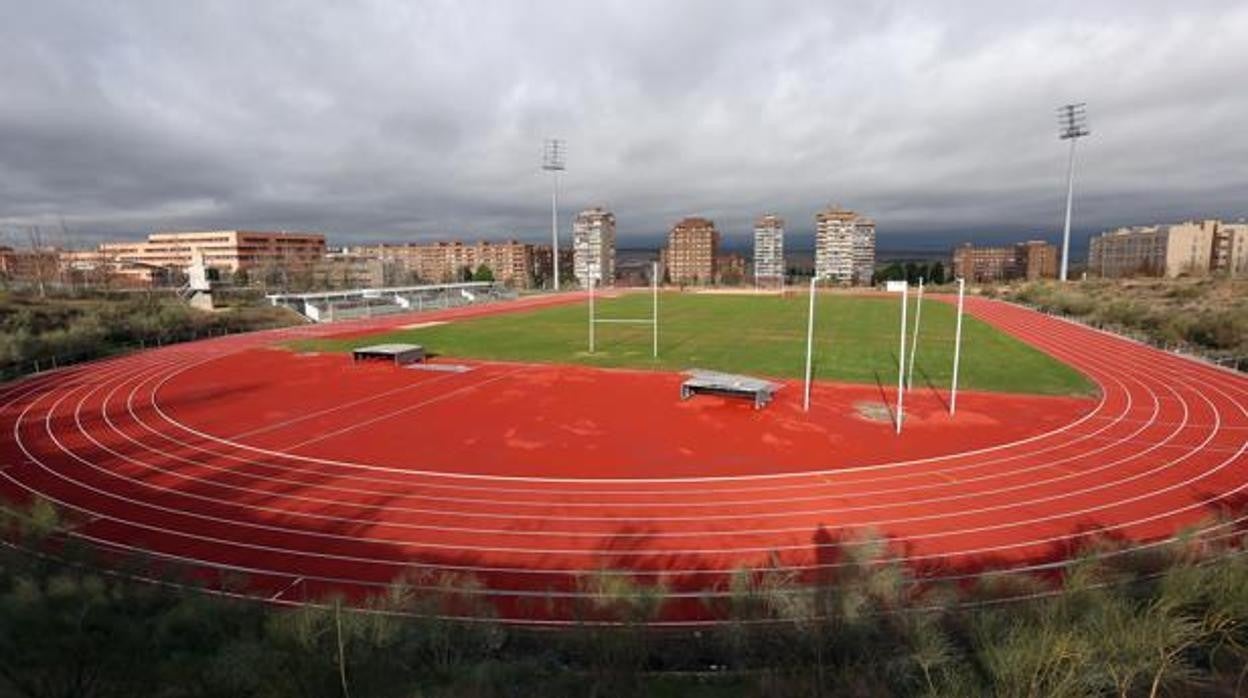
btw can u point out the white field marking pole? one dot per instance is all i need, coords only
(957, 350)
(654, 315)
(901, 359)
(591, 313)
(810, 342)
(914, 341)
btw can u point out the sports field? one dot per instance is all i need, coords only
(856, 340)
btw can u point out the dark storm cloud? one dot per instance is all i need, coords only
(381, 119)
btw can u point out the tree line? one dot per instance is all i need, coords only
(932, 273)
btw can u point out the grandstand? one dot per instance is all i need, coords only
(330, 306)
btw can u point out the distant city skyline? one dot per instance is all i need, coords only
(394, 122)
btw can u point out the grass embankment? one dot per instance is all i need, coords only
(1171, 620)
(1208, 316)
(39, 333)
(856, 341)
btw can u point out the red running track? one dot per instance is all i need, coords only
(311, 476)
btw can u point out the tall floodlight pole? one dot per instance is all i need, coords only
(901, 357)
(957, 350)
(810, 342)
(914, 341)
(554, 161)
(1073, 125)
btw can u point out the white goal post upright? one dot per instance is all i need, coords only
(957, 350)
(901, 358)
(654, 312)
(653, 320)
(914, 341)
(810, 342)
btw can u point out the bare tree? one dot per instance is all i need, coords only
(36, 258)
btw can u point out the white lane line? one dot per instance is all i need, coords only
(285, 589)
(402, 410)
(547, 516)
(388, 485)
(336, 408)
(305, 533)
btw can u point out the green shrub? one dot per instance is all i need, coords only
(1073, 304)
(1218, 330)
(1124, 313)
(60, 330)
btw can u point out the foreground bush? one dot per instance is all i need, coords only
(1172, 620)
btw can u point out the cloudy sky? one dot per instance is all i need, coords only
(420, 120)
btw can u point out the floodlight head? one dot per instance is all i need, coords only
(554, 154)
(1072, 120)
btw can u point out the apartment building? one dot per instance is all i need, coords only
(224, 250)
(844, 246)
(1191, 247)
(1033, 259)
(692, 247)
(511, 262)
(593, 247)
(1038, 259)
(343, 268)
(1230, 248)
(769, 265)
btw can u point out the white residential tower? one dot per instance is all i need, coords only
(769, 251)
(844, 246)
(593, 247)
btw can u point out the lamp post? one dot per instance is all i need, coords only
(1073, 125)
(554, 155)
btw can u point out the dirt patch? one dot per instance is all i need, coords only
(873, 411)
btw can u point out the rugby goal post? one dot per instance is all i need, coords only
(957, 350)
(903, 288)
(653, 320)
(810, 343)
(914, 339)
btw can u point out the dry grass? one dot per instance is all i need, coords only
(1205, 315)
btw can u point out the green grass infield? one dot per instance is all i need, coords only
(856, 340)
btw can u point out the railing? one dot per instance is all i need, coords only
(350, 305)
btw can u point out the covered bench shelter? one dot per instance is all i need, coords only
(728, 384)
(398, 353)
